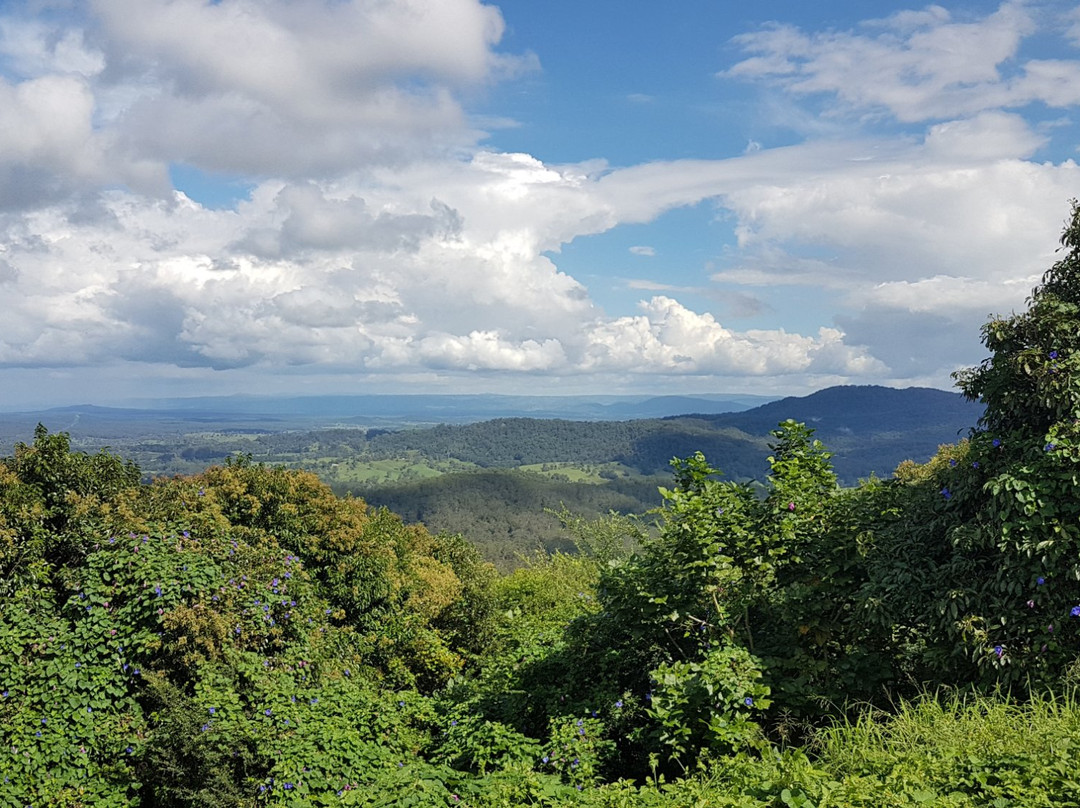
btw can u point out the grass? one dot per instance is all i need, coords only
(339, 471)
(591, 473)
(951, 749)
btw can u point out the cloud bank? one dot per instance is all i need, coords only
(382, 240)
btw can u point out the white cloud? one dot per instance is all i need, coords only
(35, 49)
(299, 87)
(669, 337)
(379, 239)
(918, 66)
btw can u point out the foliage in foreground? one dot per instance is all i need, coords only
(244, 637)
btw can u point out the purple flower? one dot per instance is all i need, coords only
(952, 461)
(748, 701)
(999, 651)
(945, 492)
(1048, 447)
(1040, 580)
(996, 442)
(618, 704)
(1053, 354)
(1075, 611)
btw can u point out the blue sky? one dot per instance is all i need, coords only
(449, 196)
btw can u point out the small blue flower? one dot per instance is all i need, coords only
(999, 651)
(1048, 447)
(996, 442)
(1053, 354)
(945, 492)
(952, 461)
(1075, 611)
(618, 704)
(1040, 580)
(749, 701)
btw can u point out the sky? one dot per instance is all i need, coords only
(300, 197)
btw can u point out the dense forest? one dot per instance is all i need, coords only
(246, 637)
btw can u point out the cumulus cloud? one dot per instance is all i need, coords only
(299, 87)
(668, 336)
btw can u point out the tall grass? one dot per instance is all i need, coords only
(944, 749)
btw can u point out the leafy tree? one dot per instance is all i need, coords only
(52, 500)
(976, 560)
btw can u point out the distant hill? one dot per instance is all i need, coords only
(870, 430)
(467, 476)
(851, 409)
(276, 414)
(436, 408)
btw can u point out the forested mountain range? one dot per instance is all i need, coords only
(870, 430)
(496, 481)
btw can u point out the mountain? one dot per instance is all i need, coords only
(869, 429)
(850, 410)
